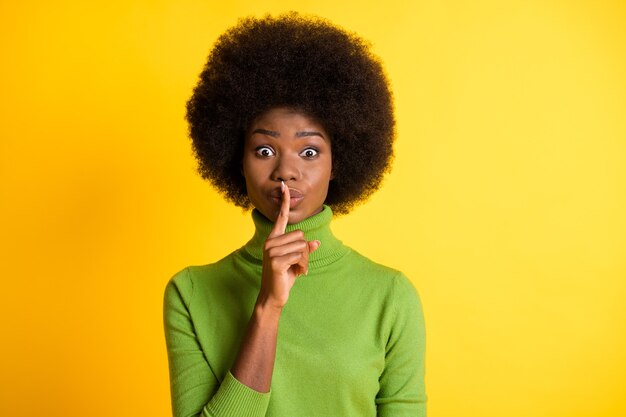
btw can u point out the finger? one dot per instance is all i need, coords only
(280, 240)
(283, 263)
(300, 246)
(304, 262)
(283, 213)
(297, 246)
(313, 245)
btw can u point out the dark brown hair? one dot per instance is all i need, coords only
(311, 65)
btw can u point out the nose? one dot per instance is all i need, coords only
(286, 169)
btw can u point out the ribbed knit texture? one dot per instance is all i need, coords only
(350, 339)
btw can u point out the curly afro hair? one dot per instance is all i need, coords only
(307, 64)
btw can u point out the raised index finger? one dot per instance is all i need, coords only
(283, 213)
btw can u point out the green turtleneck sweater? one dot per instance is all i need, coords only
(350, 339)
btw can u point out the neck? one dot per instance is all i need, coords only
(316, 227)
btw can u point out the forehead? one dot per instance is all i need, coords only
(283, 119)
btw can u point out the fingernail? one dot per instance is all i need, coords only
(282, 186)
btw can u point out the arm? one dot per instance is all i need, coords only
(285, 257)
(402, 390)
(244, 392)
(195, 389)
(255, 362)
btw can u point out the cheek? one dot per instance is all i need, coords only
(323, 177)
(248, 172)
(249, 167)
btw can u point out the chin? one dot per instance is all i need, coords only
(296, 216)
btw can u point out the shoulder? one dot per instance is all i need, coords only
(377, 274)
(368, 269)
(385, 281)
(183, 283)
(179, 287)
(399, 302)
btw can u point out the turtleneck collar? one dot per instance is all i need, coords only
(316, 227)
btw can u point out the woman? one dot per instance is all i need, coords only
(293, 117)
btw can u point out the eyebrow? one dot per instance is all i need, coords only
(266, 132)
(298, 134)
(309, 133)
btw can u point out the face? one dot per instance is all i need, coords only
(283, 144)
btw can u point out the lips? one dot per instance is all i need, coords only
(296, 197)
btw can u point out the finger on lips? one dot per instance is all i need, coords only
(283, 214)
(290, 247)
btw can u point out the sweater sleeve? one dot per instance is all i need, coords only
(194, 387)
(402, 388)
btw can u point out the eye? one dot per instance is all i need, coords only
(309, 153)
(264, 151)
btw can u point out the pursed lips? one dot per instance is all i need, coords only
(296, 197)
(293, 193)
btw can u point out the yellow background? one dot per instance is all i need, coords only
(506, 205)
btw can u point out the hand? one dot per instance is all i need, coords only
(285, 257)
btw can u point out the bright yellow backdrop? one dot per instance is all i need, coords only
(506, 205)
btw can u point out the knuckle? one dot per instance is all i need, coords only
(274, 263)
